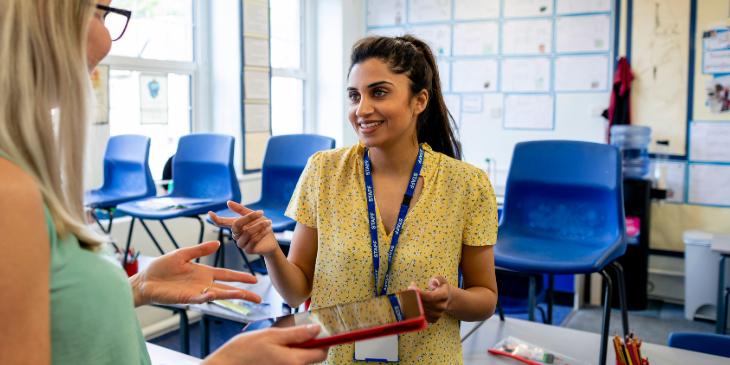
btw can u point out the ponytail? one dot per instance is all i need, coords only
(413, 58)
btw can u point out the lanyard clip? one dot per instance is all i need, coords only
(407, 200)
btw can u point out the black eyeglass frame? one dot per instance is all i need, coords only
(125, 13)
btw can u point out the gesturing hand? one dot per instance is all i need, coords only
(252, 231)
(173, 279)
(437, 299)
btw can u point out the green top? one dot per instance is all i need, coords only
(92, 307)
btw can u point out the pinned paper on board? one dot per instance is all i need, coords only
(386, 12)
(255, 145)
(527, 8)
(579, 34)
(675, 173)
(709, 141)
(581, 73)
(256, 52)
(153, 98)
(472, 103)
(476, 9)
(257, 84)
(438, 37)
(716, 62)
(476, 39)
(718, 94)
(444, 68)
(421, 11)
(100, 84)
(582, 6)
(257, 117)
(528, 111)
(453, 105)
(255, 18)
(387, 32)
(474, 75)
(530, 74)
(527, 37)
(709, 184)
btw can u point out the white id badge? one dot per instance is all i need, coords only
(382, 349)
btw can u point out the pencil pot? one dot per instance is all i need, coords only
(132, 268)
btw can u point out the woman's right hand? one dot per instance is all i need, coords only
(270, 346)
(252, 231)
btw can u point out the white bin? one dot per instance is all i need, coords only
(701, 271)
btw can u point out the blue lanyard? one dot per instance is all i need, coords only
(401, 217)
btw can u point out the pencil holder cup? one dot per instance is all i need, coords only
(132, 268)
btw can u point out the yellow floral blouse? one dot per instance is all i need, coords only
(456, 207)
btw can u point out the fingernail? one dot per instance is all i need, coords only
(269, 221)
(313, 329)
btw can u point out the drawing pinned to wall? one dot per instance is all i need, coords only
(709, 184)
(386, 12)
(716, 39)
(474, 75)
(387, 32)
(582, 6)
(527, 8)
(527, 37)
(100, 83)
(421, 11)
(444, 68)
(472, 103)
(153, 98)
(453, 105)
(718, 94)
(709, 142)
(528, 111)
(659, 62)
(579, 34)
(530, 74)
(437, 36)
(476, 39)
(581, 73)
(476, 9)
(716, 62)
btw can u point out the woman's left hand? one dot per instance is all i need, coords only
(173, 279)
(437, 299)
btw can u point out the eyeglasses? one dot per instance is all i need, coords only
(115, 20)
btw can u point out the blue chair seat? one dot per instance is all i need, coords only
(708, 343)
(109, 199)
(542, 256)
(131, 208)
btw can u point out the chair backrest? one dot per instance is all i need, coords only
(567, 191)
(126, 165)
(285, 159)
(708, 343)
(203, 168)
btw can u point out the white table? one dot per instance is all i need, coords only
(584, 346)
(162, 356)
(721, 245)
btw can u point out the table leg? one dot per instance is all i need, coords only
(184, 332)
(551, 298)
(204, 336)
(532, 299)
(721, 319)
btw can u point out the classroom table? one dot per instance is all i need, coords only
(162, 356)
(581, 345)
(721, 245)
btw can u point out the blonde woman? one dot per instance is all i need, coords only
(63, 299)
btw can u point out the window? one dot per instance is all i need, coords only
(153, 75)
(288, 76)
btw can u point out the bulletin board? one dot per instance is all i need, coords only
(513, 70)
(255, 82)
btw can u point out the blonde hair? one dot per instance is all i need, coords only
(44, 65)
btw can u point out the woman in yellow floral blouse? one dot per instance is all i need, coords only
(397, 109)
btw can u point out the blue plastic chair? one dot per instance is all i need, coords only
(564, 214)
(202, 169)
(708, 343)
(285, 159)
(127, 176)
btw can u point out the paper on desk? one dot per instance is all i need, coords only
(709, 184)
(170, 203)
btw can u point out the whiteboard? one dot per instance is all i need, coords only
(709, 184)
(476, 9)
(709, 141)
(476, 39)
(582, 6)
(527, 8)
(438, 38)
(526, 111)
(444, 75)
(581, 73)
(429, 10)
(526, 74)
(386, 12)
(474, 75)
(387, 32)
(579, 34)
(527, 37)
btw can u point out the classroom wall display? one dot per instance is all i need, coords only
(709, 141)
(153, 98)
(478, 75)
(472, 103)
(527, 37)
(709, 184)
(476, 9)
(528, 74)
(421, 11)
(444, 75)
(583, 34)
(527, 8)
(438, 38)
(387, 32)
(528, 111)
(100, 84)
(256, 85)
(582, 6)
(582, 73)
(476, 39)
(453, 105)
(675, 172)
(386, 12)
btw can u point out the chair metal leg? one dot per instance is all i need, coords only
(151, 236)
(551, 299)
(622, 296)
(218, 251)
(472, 330)
(129, 242)
(532, 299)
(202, 230)
(721, 323)
(96, 219)
(169, 235)
(727, 298)
(245, 259)
(110, 211)
(542, 314)
(204, 336)
(606, 317)
(500, 311)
